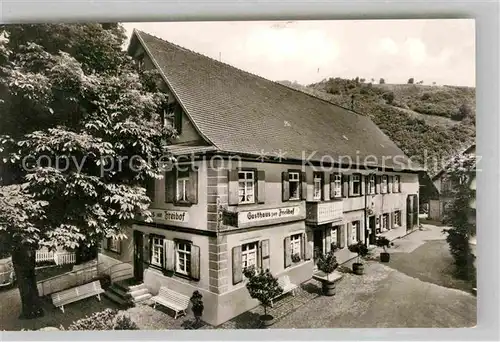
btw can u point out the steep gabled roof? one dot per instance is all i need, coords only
(239, 112)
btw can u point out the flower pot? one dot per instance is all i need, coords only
(266, 320)
(358, 268)
(385, 257)
(328, 288)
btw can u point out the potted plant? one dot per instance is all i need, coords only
(383, 242)
(327, 263)
(197, 306)
(296, 257)
(361, 250)
(263, 286)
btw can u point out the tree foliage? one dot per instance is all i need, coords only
(262, 285)
(105, 320)
(459, 213)
(79, 132)
(328, 262)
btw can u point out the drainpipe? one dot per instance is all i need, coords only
(366, 211)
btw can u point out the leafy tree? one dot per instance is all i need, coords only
(381, 81)
(411, 80)
(79, 136)
(362, 80)
(389, 97)
(262, 285)
(328, 262)
(465, 111)
(459, 214)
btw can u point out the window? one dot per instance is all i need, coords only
(337, 184)
(157, 251)
(377, 224)
(249, 255)
(335, 236)
(183, 265)
(294, 181)
(318, 185)
(396, 184)
(356, 185)
(371, 185)
(397, 218)
(182, 186)
(246, 183)
(295, 244)
(140, 62)
(355, 231)
(168, 115)
(114, 245)
(385, 222)
(383, 186)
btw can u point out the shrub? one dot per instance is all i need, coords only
(197, 304)
(360, 249)
(383, 242)
(411, 80)
(262, 285)
(104, 320)
(328, 262)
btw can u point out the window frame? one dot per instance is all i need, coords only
(355, 227)
(397, 218)
(358, 182)
(296, 242)
(245, 182)
(297, 181)
(384, 181)
(396, 183)
(337, 185)
(112, 248)
(317, 179)
(245, 253)
(185, 179)
(385, 222)
(161, 247)
(372, 181)
(186, 256)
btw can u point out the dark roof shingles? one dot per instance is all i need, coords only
(244, 113)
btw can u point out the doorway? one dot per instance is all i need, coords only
(372, 236)
(411, 212)
(138, 255)
(318, 243)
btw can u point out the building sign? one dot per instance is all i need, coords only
(253, 216)
(170, 215)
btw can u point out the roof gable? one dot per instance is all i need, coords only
(243, 113)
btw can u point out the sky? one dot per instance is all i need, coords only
(439, 50)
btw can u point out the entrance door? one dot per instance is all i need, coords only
(411, 211)
(138, 255)
(373, 234)
(318, 243)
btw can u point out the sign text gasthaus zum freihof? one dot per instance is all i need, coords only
(268, 214)
(169, 215)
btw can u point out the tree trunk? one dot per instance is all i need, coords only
(23, 260)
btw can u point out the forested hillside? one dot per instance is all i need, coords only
(426, 122)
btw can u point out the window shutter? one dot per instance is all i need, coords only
(325, 194)
(169, 254)
(105, 243)
(341, 233)
(303, 190)
(237, 270)
(170, 186)
(389, 184)
(391, 220)
(377, 184)
(363, 184)
(328, 239)
(400, 184)
(306, 246)
(345, 186)
(178, 118)
(233, 187)
(348, 228)
(264, 254)
(285, 187)
(146, 248)
(261, 186)
(195, 262)
(192, 195)
(288, 251)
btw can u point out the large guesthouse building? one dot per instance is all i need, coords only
(267, 176)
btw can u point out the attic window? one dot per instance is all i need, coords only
(140, 62)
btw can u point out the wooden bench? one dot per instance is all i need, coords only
(287, 286)
(172, 300)
(59, 299)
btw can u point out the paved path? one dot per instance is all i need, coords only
(385, 297)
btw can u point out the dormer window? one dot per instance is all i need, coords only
(168, 115)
